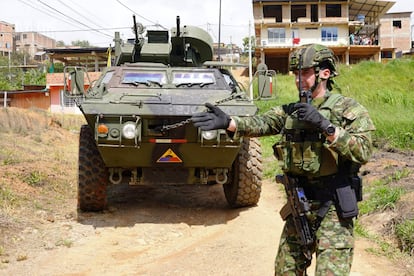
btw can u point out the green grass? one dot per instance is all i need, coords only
(35, 178)
(7, 197)
(386, 90)
(405, 234)
(381, 198)
(380, 195)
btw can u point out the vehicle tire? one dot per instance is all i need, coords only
(245, 179)
(93, 175)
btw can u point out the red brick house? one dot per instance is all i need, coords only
(59, 102)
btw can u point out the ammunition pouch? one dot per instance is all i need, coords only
(309, 156)
(346, 202)
(299, 158)
(345, 191)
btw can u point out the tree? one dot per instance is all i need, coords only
(60, 43)
(12, 77)
(246, 44)
(81, 43)
(35, 76)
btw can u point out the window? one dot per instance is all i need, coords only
(144, 77)
(273, 11)
(396, 24)
(314, 13)
(333, 10)
(276, 35)
(193, 78)
(297, 11)
(329, 34)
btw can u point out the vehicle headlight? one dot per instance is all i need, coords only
(209, 134)
(129, 130)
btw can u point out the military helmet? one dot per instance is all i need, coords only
(313, 56)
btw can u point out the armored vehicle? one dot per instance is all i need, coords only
(138, 114)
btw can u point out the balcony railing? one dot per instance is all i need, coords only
(339, 41)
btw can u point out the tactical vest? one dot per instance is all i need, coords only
(303, 150)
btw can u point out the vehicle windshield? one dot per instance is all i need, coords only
(193, 78)
(147, 78)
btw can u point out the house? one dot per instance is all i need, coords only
(93, 58)
(351, 28)
(228, 53)
(6, 38)
(31, 96)
(59, 101)
(33, 44)
(395, 33)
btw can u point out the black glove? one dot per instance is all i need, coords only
(214, 118)
(308, 113)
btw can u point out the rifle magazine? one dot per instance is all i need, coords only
(286, 211)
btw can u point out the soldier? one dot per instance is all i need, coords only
(326, 137)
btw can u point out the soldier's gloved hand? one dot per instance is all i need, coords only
(214, 118)
(306, 112)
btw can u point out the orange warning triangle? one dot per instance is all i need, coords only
(169, 157)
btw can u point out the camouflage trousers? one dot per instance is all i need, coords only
(334, 247)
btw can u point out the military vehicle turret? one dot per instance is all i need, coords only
(138, 114)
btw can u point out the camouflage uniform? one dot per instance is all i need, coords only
(334, 238)
(324, 141)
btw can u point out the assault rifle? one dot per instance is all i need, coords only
(297, 206)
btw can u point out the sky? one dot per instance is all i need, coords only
(97, 20)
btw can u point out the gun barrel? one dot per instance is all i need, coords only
(178, 26)
(135, 30)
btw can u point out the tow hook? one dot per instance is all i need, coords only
(221, 176)
(118, 176)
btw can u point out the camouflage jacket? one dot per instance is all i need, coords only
(353, 141)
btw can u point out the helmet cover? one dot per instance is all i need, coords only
(313, 56)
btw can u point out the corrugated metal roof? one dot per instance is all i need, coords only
(371, 9)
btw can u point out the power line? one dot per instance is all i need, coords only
(81, 15)
(135, 13)
(59, 12)
(45, 12)
(81, 30)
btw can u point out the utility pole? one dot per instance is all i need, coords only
(231, 50)
(9, 61)
(219, 33)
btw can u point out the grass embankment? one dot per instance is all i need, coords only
(386, 90)
(37, 167)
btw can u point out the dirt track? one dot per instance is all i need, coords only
(185, 231)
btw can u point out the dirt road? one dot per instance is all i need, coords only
(158, 231)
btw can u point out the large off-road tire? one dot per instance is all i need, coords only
(93, 175)
(245, 179)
